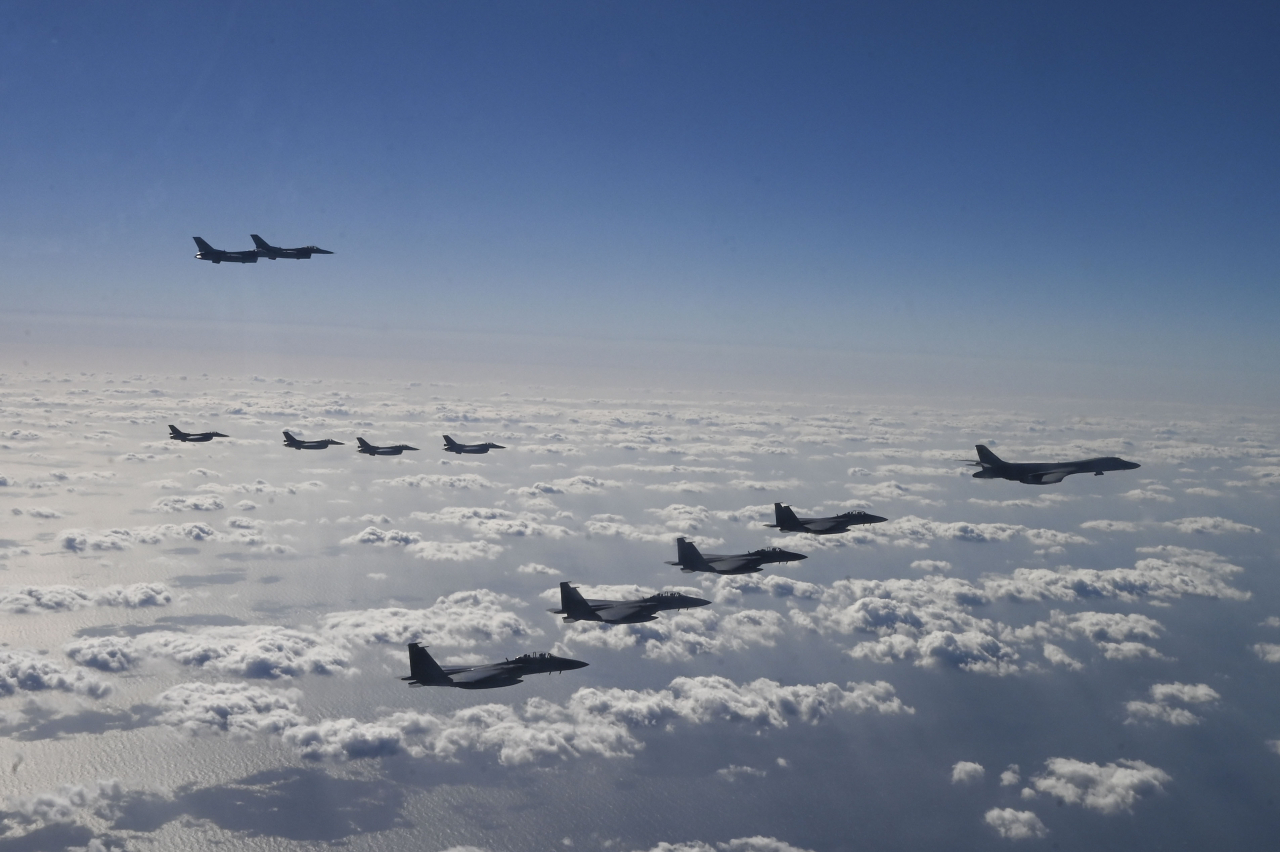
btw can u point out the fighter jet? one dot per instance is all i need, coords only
(424, 671)
(452, 446)
(1043, 473)
(176, 434)
(370, 450)
(574, 607)
(788, 522)
(208, 252)
(270, 252)
(690, 560)
(294, 443)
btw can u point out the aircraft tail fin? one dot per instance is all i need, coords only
(260, 242)
(449, 442)
(986, 457)
(423, 668)
(175, 432)
(688, 557)
(363, 443)
(785, 517)
(574, 605)
(289, 439)
(202, 245)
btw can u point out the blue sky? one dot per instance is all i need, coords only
(1006, 181)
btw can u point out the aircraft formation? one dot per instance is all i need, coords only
(263, 249)
(425, 671)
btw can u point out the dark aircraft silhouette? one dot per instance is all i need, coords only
(370, 450)
(452, 446)
(208, 252)
(270, 252)
(294, 443)
(574, 607)
(424, 671)
(1043, 473)
(788, 522)
(176, 434)
(690, 560)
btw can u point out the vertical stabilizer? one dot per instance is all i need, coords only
(784, 517)
(575, 606)
(260, 242)
(689, 558)
(986, 457)
(423, 668)
(364, 445)
(202, 245)
(449, 442)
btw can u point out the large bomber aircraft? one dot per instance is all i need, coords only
(424, 671)
(176, 434)
(296, 444)
(1043, 473)
(452, 446)
(270, 252)
(574, 607)
(208, 252)
(690, 560)
(370, 450)
(786, 520)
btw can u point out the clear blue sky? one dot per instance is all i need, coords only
(990, 179)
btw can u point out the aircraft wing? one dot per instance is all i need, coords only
(624, 611)
(1049, 477)
(480, 674)
(731, 563)
(821, 524)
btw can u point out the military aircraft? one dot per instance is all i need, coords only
(690, 560)
(788, 522)
(452, 446)
(370, 450)
(270, 252)
(294, 443)
(424, 671)
(208, 252)
(574, 607)
(1043, 473)
(176, 434)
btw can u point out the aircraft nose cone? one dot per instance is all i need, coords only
(573, 664)
(875, 519)
(1133, 466)
(698, 602)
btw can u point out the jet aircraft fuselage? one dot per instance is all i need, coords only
(208, 252)
(296, 444)
(574, 607)
(690, 559)
(370, 450)
(785, 519)
(452, 446)
(176, 434)
(270, 252)
(1044, 473)
(425, 671)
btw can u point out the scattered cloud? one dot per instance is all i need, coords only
(967, 772)
(1166, 704)
(1108, 789)
(1014, 824)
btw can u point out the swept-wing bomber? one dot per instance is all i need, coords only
(785, 519)
(452, 446)
(176, 434)
(370, 450)
(425, 671)
(296, 444)
(1043, 473)
(574, 607)
(690, 559)
(208, 252)
(270, 252)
